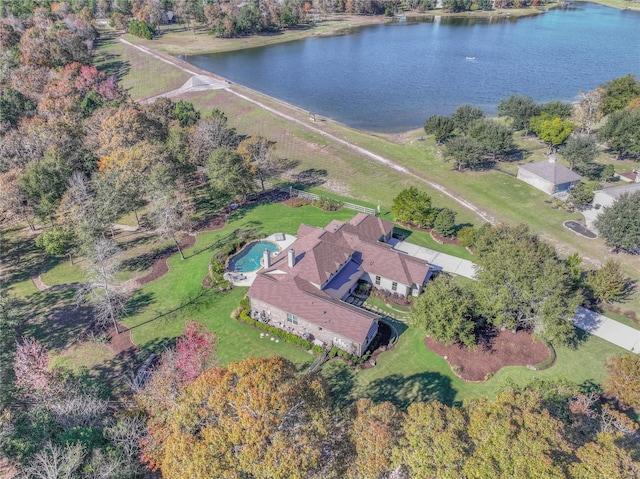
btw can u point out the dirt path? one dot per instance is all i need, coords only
(362, 151)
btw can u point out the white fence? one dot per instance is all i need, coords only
(313, 197)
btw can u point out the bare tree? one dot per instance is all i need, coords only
(171, 213)
(13, 200)
(588, 111)
(263, 163)
(79, 410)
(102, 286)
(209, 134)
(55, 462)
(77, 212)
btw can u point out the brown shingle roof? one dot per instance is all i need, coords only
(299, 297)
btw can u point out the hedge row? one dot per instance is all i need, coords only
(276, 332)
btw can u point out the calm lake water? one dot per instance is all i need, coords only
(391, 77)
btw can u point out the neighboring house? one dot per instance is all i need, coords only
(302, 290)
(605, 198)
(608, 196)
(548, 176)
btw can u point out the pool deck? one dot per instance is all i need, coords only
(247, 279)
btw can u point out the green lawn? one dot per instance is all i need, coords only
(411, 372)
(407, 373)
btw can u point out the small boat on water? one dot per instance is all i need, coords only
(470, 58)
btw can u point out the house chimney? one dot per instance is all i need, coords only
(266, 258)
(291, 257)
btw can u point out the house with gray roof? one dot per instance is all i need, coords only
(303, 289)
(608, 196)
(548, 176)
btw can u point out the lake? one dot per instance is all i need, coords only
(391, 77)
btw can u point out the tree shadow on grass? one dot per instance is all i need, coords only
(21, 258)
(341, 381)
(309, 178)
(403, 391)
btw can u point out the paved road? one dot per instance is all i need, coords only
(606, 328)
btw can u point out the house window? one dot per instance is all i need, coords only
(394, 286)
(377, 280)
(292, 318)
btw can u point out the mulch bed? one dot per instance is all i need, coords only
(579, 229)
(505, 349)
(121, 343)
(294, 202)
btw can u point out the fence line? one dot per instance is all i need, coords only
(313, 197)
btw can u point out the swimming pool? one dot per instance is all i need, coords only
(248, 259)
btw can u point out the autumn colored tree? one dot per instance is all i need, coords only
(374, 433)
(256, 418)
(195, 351)
(123, 128)
(13, 199)
(604, 458)
(258, 153)
(31, 368)
(434, 442)
(623, 379)
(514, 436)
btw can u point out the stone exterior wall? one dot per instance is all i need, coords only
(535, 181)
(278, 318)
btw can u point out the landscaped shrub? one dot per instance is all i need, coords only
(467, 236)
(216, 273)
(275, 332)
(327, 204)
(317, 349)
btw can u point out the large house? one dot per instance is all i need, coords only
(302, 290)
(548, 176)
(606, 198)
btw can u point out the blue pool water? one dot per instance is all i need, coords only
(249, 258)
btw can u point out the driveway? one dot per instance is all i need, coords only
(435, 259)
(608, 329)
(605, 328)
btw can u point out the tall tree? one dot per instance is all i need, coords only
(258, 153)
(620, 132)
(171, 213)
(374, 433)
(229, 174)
(609, 283)
(589, 109)
(209, 134)
(446, 312)
(465, 152)
(243, 421)
(102, 289)
(435, 442)
(514, 436)
(13, 199)
(494, 137)
(619, 224)
(441, 127)
(581, 152)
(520, 109)
(605, 458)
(562, 110)
(623, 379)
(413, 207)
(553, 130)
(618, 93)
(521, 282)
(465, 115)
